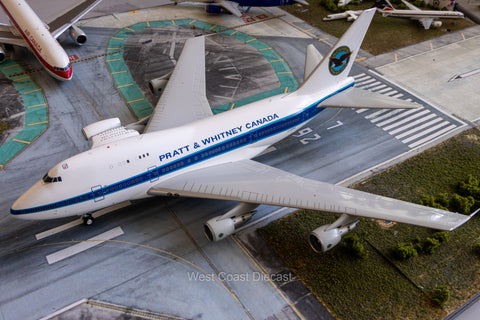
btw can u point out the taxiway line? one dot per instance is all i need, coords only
(84, 245)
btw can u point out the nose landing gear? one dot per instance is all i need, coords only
(88, 219)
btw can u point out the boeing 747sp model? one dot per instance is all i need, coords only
(27, 30)
(184, 150)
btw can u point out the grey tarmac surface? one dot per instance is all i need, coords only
(161, 262)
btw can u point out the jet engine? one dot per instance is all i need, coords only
(437, 24)
(100, 126)
(78, 35)
(158, 84)
(3, 55)
(223, 226)
(328, 236)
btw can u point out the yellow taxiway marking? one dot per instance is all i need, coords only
(360, 59)
(396, 57)
(37, 105)
(213, 27)
(323, 39)
(308, 30)
(285, 72)
(22, 141)
(276, 60)
(286, 89)
(119, 72)
(148, 23)
(13, 65)
(192, 21)
(173, 22)
(294, 21)
(133, 11)
(233, 32)
(114, 60)
(268, 278)
(114, 48)
(32, 91)
(26, 77)
(150, 248)
(263, 49)
(130, 29)
(463, 36)
(250, 40)
(431, 46)
(125, 85)
(233, 105)
(34, 124)
(117, 38)
(131, 101)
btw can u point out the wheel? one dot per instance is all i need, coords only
(88, 220)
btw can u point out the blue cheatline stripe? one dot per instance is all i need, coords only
(247, 138)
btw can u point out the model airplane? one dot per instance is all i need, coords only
(349, 14)
(27, 30)
(215, 6)
(186, 151)
(425, 17)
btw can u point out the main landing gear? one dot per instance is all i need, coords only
(88, 219)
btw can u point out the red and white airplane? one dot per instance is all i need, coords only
(28, 30)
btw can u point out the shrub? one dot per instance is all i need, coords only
(404, 251)
(430, 245)
(441, 236)
(469, 187)
(461, 204)
(441, 295)
(355, 247)
(431, 201)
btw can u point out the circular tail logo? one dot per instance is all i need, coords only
(339, 60)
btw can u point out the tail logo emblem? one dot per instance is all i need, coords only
(339, 60)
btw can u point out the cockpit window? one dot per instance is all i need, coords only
(47, 179)
(63, 69)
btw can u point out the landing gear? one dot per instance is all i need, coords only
(88, 219)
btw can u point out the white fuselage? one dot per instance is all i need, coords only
(126, 169)
(39, 39)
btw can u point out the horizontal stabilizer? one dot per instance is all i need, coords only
(253, 182)
(359, 98)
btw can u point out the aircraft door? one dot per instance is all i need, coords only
(153, 173)
(98, 193)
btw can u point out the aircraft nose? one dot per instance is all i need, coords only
(24, 206)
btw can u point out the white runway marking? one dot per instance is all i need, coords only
(64, 227)
(82, 246)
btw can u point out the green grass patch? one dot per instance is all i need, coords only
(385, 33)
(382, 286)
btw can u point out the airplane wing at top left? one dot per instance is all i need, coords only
(65, 20)
(184, 99)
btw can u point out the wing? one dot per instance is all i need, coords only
(184, 99)
(8, 34)
(65, 20)
(359, 98)
(253, 182)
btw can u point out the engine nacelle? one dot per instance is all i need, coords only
(436, 24)
(3, 55)
(217, 228)
(100, 126)
(157, 85)
(78, 35)
(323, 239)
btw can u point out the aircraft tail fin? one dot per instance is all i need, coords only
(335, 66)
